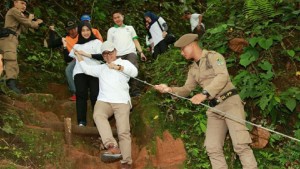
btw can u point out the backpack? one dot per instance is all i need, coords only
(170, 38)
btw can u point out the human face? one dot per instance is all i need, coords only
(85, 32)
(109, 56)
(187, 51)
(73, 32)
(20, 5)
(118, 19)
(148, 19)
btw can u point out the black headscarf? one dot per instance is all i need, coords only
(152, 16)
(81, 39)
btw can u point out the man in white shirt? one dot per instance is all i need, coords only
(125, 39)
(113, 99)
(197, 27)
(126, 42)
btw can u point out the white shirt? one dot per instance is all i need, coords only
(122, 37)
(156, 32)
(113, 84)
(91, 47)
(194, 20)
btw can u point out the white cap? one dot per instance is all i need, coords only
(107, 46)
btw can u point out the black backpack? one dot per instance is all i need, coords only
(170, 38)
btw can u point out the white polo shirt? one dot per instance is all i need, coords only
(156, 32)
(113, 84)
(194, 20)
(91, 47)
(122, 37)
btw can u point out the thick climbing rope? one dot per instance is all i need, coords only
(219, 112)
(224, 114)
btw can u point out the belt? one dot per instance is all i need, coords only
(223, 97)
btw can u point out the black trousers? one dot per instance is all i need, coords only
(160, 48)
(85, 84)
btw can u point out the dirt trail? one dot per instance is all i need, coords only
(50, 110)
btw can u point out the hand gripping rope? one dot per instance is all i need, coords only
(219, 112)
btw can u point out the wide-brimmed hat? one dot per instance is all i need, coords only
(185, 40)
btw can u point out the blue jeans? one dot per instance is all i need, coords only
(69, 75)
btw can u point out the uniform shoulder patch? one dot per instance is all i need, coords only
(220, 61)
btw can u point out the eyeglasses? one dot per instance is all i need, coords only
(105, 54)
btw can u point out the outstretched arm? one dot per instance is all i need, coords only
(140, 50)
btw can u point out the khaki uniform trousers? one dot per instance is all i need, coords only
(217, 128)
(9, 46)
(104, 110)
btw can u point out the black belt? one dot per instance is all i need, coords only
(223, 97)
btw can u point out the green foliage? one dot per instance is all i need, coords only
(30, 147)
(256, 10)
(290, 98)
(250, 55)
(11, 122)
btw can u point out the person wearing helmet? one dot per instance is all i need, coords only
(87, 18)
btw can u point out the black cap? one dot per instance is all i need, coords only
(70, 24)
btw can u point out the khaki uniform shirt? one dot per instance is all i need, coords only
(15, 21)
(211, 74)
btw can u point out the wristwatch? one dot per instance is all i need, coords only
(204, 92)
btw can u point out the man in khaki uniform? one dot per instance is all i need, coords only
(210, 72)
(15, 22)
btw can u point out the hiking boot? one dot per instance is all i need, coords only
(73, 98)
(11, 84)
(125, 166)
(112, 154)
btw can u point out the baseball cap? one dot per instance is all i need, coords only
(85, 18)
(107, 46)
(70, 24)
(185, 40)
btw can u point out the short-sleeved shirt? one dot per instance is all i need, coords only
(122, 37)
(156, 31)
(194, 20)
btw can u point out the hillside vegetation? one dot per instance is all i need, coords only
(265, 70)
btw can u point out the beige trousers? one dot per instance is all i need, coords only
(104, 110)
(217, 128)
(9, 46)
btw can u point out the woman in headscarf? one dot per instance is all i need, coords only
(89, 46)
(158, 30)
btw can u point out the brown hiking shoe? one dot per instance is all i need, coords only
(112, 154)
(125, 166)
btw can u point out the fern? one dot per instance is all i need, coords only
(258, 10)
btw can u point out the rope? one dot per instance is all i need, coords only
(221, 113)
(242, 121)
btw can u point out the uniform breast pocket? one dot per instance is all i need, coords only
(206, 74)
